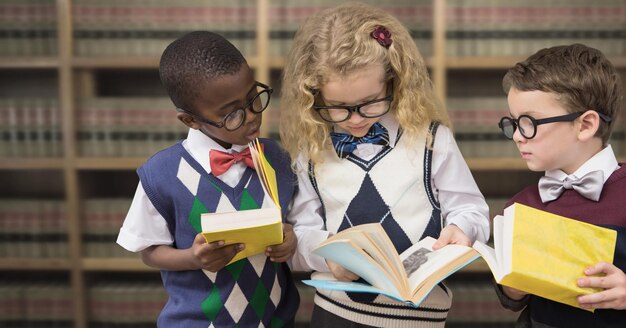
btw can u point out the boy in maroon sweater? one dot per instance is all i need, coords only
(564, 102)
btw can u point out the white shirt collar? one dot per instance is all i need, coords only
(199, 144)
(604, 160)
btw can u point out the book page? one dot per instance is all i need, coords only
(214, 222)
(489, 255)
(421, 262)
(376, 233)
(353, 258)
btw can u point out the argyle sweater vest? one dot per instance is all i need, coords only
(608, 212)
(252, 292)
(394, 189)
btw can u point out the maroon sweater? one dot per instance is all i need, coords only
(609, 211)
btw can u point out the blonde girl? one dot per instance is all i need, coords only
(370, 144)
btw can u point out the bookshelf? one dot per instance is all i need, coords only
(77, 78)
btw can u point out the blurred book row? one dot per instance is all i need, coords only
(35, 304)
(33, 228)
(473, 28)
(127, 126)
(517, 28)
(30, 127)
(109, 304)
(28, 28)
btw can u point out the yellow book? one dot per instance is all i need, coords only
(256, 228)
(544, 254)
(408, 277)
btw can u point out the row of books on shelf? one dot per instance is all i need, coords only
(102, 219)
(33, 228)
(35, 304)
(129, 304)
(127, 126)
(30, 127)
(109, 304)
(28, 28)
(514, 28)
(146, 27)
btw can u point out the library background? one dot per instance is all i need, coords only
(81, 107)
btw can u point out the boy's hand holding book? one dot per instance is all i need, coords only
(282, 252)
(611, 279)
(213, 256)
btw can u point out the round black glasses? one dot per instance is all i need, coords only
(528, 125)
(369, 109)
(235, 119)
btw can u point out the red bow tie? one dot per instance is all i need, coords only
(221, 161)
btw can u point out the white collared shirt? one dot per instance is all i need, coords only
(144, 226)
(461, 202)
(604, 160)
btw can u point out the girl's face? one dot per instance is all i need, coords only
(354, 89)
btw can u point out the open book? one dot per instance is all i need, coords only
(367, 251)
(544, 254)
(256, 228)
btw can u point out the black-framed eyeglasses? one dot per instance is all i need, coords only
(369, 109)
(528, 125)
(235, 119)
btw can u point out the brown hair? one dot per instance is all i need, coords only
(582, 77)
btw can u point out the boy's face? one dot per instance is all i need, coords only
(221, 96)
(354, 89)
(554, 145)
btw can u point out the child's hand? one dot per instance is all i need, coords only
(282, 252)
(213, 256)
(451, 235)
(613, 282)
(340, 272)
(512, 293)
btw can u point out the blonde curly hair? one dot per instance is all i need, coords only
(337, 41)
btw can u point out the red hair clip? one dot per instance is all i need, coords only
(382, 35)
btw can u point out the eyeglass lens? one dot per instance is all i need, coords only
(340, 114)
(258, 104)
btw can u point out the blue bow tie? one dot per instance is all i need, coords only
(345, 143)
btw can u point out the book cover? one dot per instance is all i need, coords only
(544, 254)
(256, 228)
(367, 251)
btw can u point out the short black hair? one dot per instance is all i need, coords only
(192, 60)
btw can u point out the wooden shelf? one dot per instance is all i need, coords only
(492, 164)
(133, 62)
(106, 163)
(494, 62)
(28, 62)
(32, 163)
(35, 264)
(502, 62)
(112, 264)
